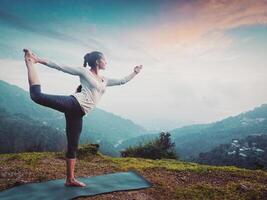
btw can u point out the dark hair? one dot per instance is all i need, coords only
(90, 59)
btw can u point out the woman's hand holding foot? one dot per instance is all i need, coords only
(30, 56)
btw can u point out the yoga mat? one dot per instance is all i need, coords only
(55, 189)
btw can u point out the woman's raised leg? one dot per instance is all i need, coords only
(32, 73)
(61, 103)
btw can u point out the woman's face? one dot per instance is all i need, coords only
(102, 63)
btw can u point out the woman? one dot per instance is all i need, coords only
(77, 105)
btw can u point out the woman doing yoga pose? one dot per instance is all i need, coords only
(77, 105)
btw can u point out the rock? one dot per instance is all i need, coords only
(20, 182)
(243, 187)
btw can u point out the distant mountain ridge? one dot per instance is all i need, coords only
(116, 133)
(194, 139)
(214, 134)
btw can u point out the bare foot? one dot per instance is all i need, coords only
(74, 182)
(30, 56)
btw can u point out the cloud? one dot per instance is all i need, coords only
(23, 24)
(183, 27)
(205, 16)
(184, 50)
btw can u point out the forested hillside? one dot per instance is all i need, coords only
(250, 152)
(99, 126)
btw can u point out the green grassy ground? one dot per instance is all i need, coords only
(171, 179)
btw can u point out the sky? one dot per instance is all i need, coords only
(203, 60)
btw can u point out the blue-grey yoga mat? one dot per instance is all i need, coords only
(55, 189)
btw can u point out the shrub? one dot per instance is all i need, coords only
(161, 147)
(86, 150)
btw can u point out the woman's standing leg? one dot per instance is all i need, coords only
(73, 130)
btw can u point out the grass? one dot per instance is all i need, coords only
(30, 158)
(246, 185)
(172, 164)
(241, 190)
(171, 178)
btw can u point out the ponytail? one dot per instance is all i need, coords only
(79, 88)
(85, 61)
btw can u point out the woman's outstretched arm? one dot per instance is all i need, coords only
(78, 71)
(67, 69)
(112, 81)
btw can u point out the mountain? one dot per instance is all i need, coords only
(171, 179)
(194, 139)
(157, 124)
(250, 152)
(116, 133)
(203, 138)
(142, 139)
(19, 133)
(98, 126)
(134, 141)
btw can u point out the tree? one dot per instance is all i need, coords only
(161, 147)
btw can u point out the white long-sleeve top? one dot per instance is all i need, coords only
(92, 88)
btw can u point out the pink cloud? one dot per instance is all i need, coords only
(184, 25)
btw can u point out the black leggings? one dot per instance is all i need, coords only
(73, 115)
